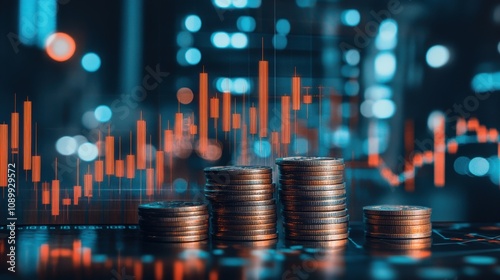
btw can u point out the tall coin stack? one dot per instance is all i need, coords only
(174, 221)
(242, 204)
(313, 197)
(397, 221)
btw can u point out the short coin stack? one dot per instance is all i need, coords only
(397, 221)
(313, 197)
(174, 221)
(242, 204)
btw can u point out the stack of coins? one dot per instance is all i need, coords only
(397, 221)
(313, 197)
(174, 221)
(242, 204)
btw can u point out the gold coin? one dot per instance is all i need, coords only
(332, 226)
(310, 182)
(335, 220)
(310, 161)
(248, 237)
(392, 222)
(315, 208)
(299, 232)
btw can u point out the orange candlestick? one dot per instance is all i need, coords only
(150, 176)
(27, 114)
(4, 154)
(14, 133)
(45, 193)
(120, 168)
(169, 140)
(37, 169)
(226, 111)
(110, 155)
(99, 171)
(236, 121)
(275, 142)
(439, 153)
(77, 193)
(178, 126)
(214, 107)
(285, 119)
(130, 166)
(141, 144)
(263, 97)
(160, 168)
(87, 185)
(253, 120)
(193, 129)
(203, 112)
(295, 93)
(55, 193)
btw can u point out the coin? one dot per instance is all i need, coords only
(398, 222)
(332, 226)
(177, 214)
(173, 229)
(310, 215)
(176, 233)
(245, 227)
(310, 182)
(396, 218)
(251, 209)
(231, 192)
(221, 213)
(308, 178)
(239, 169)
(309, 161)
(311, 193)
(243, 203)
(334, 220)
(313, 188)
(299, 232)
(288, 207)
(398, 229)
(234, 198)
(223, 222)
(319, 203)
(239, 187)
(325, 168)
(397, 210)
(172, 206)
(319, 237)
(241, 182)
(398, 236)
(189, 238)
(175, 219)
(220, 233)
(286, 173)
(336, 245)
(248, 237)
(147, 222)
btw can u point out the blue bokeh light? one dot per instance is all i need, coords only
(350, 17)
(193, 56)
(283, 26)
(437, 56)
(246, 23)
(103, 113)
(220, 40)
(192, 23)
(91, 62)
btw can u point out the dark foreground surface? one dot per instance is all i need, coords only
(458, 251)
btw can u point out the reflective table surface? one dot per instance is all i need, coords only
(458, 251)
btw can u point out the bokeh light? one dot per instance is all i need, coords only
(66, 145)
(437, 56)
(193, 56)
(89, 120)
(180, 185)
(220, 40)
(305, 3)
(479, 166)
(60, 46)
(239, 40)
(262, 148)
(184, 39)
(246, 23)
(461, 165)
(185, 95)
(279, 41)
(352, 57)
(87, 152)
(384, 108)
(91, 62)
(350, 17)
(192, 23)
(103, 113)
(385, 66)
(283, 26)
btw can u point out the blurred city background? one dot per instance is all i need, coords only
(405, 91)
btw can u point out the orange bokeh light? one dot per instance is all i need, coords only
(60, 46)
